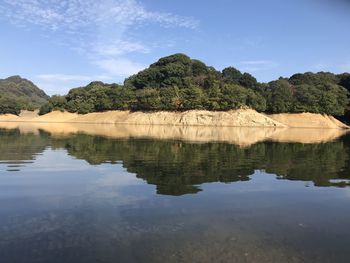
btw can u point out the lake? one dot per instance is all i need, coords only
(247, 195)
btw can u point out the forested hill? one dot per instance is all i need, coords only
(18, 93)
(179, 83)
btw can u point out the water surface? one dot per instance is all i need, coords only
(79, 197)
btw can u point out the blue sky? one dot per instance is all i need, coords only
(61, 44)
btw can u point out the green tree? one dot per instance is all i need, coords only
(171, 99)
(148, 99)
(256, 101)
(307, 99)
(193, 98)
(248, 81)
(9, 106)
(334, 99)
(279, 96)
(233, 97)
(344, 80)
(214, 101)
(231, 75)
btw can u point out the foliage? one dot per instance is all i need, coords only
(344, 80)
(9, 106)
(55, 103)
(279, 96)
(178, 83)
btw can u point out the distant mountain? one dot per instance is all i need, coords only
(22, 91)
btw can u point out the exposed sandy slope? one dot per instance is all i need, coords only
(242, 136)
(28, 115)
(108, 117)
(55, 116)
(8, 117)
(237, 118)
(24, 116)
(308, 120)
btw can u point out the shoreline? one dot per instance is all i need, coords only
(196, 118)
(168, 125)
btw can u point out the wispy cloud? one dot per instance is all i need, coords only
(61, 83)
(244, 43)
(320, 66)
(256, 62)
(257, 65)
(99, 30)
(120, 66)
(68, 77)
(77, 14)
(120, 47)
(332, 67)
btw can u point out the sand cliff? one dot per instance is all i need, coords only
(308, 120)
(234, 118)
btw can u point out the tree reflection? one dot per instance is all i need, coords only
(178, 168)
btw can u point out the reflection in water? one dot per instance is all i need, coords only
(243, 136)
(80, 197)
(178, 168)
(15, 147)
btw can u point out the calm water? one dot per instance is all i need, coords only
(85, 198)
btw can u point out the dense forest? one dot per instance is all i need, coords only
(17, 93)
(179, 83)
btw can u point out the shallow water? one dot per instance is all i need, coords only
(90, 198)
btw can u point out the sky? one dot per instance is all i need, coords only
(61, 44)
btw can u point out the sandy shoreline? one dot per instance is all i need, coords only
(236, 118)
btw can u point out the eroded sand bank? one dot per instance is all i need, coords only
(242, 127)
(308, 120)
(234, 118)
(239, 118)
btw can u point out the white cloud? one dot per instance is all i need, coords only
(52, 87)
(256, 62)
(120, 47)
(68, 77)
(257, 65)
(103, 24)
(100, 30)
(62, 83)
(319, 66)
(76, 14)
(120, 66)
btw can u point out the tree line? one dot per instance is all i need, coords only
(179, 83)
(9, 105)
